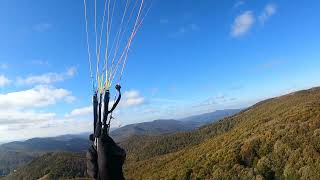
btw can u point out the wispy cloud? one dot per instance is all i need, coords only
(39, 96)
(238, 4)
(83, 111)
(245, 21)
(272, 63)
(42, 27)
(132, 98)
(14, 117)
(71, 71)
(184, 30)
(4, 66)
(47, 78)
(4, 81)
(165, 100)
(40, 62)
(236, 87)
(20, 125)
(215, 101)
(268, 11)
(242, 24)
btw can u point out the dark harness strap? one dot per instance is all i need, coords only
(95, 111)
(118, 88)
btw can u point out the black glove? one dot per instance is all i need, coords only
(107, 162)
(92, 164)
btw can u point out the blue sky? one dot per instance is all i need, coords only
(189, 57)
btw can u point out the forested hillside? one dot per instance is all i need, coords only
(144, 147)
(52, 166)
(16, 154)
(159, 127)
(152, 128)
(277, 138)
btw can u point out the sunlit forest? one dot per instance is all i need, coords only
(278, 138)
(159, 90)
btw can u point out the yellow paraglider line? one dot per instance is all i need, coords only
(131, 17)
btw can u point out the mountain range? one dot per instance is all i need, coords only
(16, 154)
(278, 138)
(167, 126)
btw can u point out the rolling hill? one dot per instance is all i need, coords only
(211, 116)
(168, 126)
(16, 154)
(278, 138)
(56, 165)
(152, 128)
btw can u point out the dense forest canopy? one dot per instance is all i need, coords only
(276, 138)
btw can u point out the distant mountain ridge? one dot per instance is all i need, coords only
(166, 126)
(157, 127)
(211, 116)
(17, 153)
(47, 144)
(278, 138)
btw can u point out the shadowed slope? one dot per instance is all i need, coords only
(52, 166)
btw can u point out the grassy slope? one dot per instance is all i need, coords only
(279, 137)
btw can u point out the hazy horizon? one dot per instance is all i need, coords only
(189, 58)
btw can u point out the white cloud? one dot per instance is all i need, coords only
(131, 94)
(131, 98)
(39, 96)
(20, 120)
(70, 99)
(80, 112)
(4, 80)
(47, 78)
(242, 24)
(237, 4)
(21, 125)
(14, 117)
(268, 11)
(42, 27)
(71, 71)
